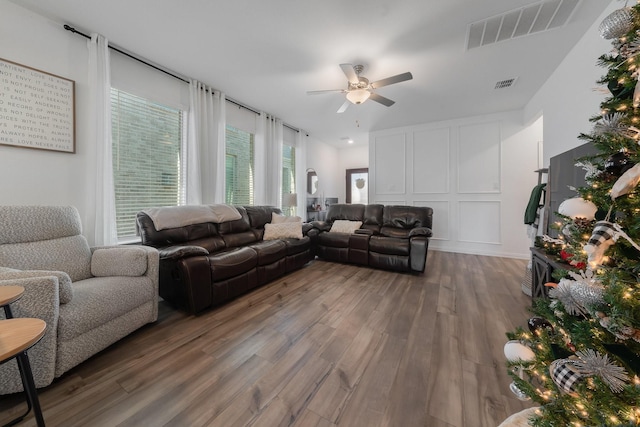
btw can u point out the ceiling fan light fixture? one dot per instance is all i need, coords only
(358, 96)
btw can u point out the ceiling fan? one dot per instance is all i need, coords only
(359, 89)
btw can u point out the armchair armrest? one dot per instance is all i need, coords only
(65, 290)
(130, 261)
(178, 252)
(420, 231)
(40, 300)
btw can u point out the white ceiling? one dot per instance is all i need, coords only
(268, 53)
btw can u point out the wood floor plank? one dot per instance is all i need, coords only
(329, 345)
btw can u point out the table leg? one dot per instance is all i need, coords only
(30, 390)
(7, 312)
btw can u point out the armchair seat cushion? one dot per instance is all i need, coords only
(389, 245)
(234, 262)
(99, 300)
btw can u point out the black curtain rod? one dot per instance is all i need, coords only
(135, 58)
(73, 30)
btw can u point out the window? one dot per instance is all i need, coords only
(147, 144)
(239, 167)
(289, 201)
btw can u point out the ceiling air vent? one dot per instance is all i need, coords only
(534, 18)
(505, 83)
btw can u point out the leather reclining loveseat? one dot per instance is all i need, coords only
(205, 264)
(389, 237)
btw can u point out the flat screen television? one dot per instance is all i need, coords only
(563, 174)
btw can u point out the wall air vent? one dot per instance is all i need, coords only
(534, 18)
(505, 83)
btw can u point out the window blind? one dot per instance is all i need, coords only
(147, 146)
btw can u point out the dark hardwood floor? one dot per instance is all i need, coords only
(329, 345)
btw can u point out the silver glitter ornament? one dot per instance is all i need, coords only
(617, 24)
(591, 362)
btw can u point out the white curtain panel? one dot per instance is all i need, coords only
(301, 172)
(268, 161)
(100, 102)
(206, 151)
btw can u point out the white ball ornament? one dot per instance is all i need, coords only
(578, 207)
(515, 351)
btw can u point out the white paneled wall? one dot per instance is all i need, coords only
(476, 173)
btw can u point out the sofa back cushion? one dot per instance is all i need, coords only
(347, 212)
(172, 236)
(239, 232)
(399, 220)
(260, 215)
(373, 217)
(44, 238)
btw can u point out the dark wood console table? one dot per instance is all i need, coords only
(542, 268)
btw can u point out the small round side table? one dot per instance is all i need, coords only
(8, 295)
(16, 337)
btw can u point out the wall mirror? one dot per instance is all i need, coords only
(312, 181)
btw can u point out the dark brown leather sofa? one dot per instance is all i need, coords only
(204, 265)
(391, 237)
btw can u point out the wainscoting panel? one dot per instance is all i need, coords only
(441, 215)
(479, 158)
(431, 161)
(390, 163)
(479, 222)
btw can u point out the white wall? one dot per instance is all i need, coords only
(30, 176)
(568, 99)
(476, 173)
(323, 158)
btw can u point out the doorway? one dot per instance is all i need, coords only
(357, 186)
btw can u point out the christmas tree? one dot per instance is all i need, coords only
(579, 358)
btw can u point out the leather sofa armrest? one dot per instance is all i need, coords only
(420, 231)
(321, 225)
(306, 227)
(179, 252)
(364, 231)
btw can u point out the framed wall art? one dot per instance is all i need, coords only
(37, 109)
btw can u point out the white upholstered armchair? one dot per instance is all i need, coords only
(89, 297)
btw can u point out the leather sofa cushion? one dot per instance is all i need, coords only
(389, 245)
(211, 244)
(348, 212)
(150, 236)
(260, 215)
(399, 233)
(334, 240)
(373, 215)
(239, 239)
(237, 226)
(269, 251)
(406, 217)
(232, 263)
(297, 246)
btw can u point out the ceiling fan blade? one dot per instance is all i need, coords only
(391, 80)
(344, 106)
(348, 71)
(320, 92)
(381, 99)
